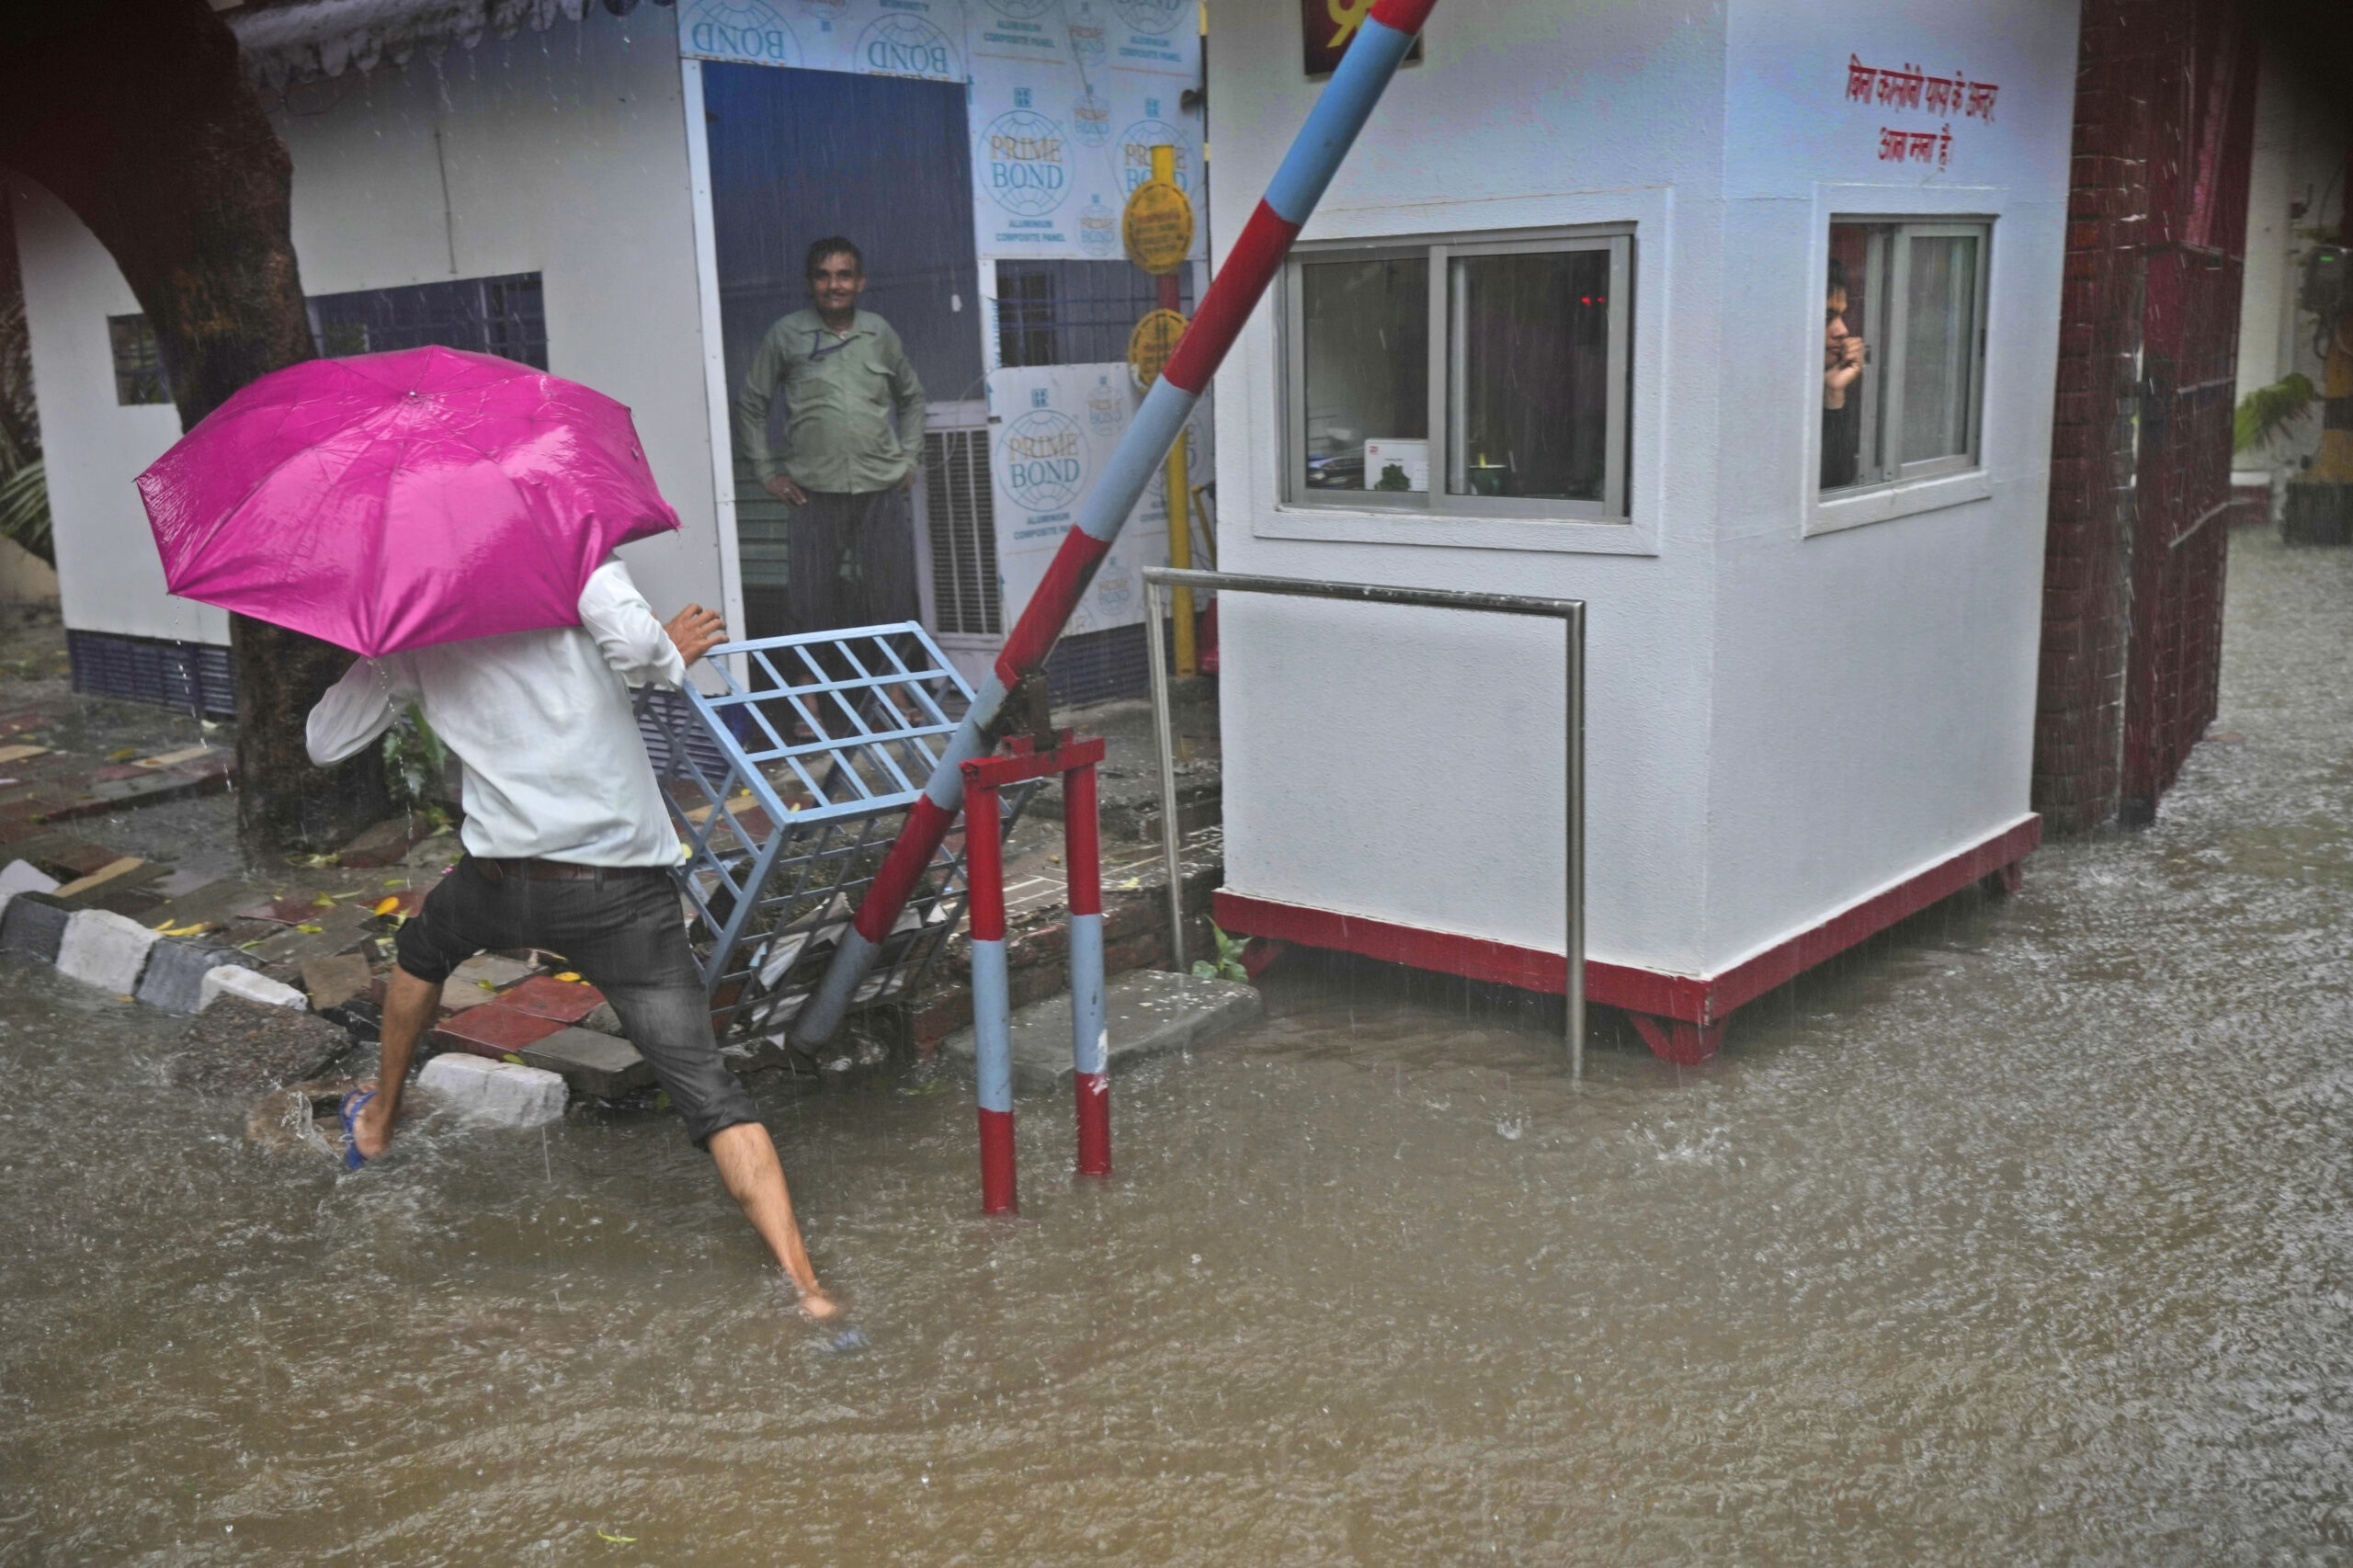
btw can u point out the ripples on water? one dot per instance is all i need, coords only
(2022, 1236)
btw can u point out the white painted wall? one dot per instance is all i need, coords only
(565, 155)
(1780, 724)
(110, 578)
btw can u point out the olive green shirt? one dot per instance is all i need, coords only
(839, 395)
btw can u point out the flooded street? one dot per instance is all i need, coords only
(2023, 1235)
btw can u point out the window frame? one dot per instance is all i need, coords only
(1888, 279)
(1441, 251)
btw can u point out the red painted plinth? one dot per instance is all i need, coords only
(1094, 1091)
(1680, 1017)
(997, 1163)
(1685, 1044)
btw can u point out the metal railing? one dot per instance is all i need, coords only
(1571, 612)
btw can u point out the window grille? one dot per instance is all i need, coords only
(505, 315)
(1074, 312)
(962, 518)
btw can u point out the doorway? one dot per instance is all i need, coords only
(798, 156)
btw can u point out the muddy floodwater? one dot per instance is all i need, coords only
(2023, 1236)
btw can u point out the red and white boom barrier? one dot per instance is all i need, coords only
(1331, 130)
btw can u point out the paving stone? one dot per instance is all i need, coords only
(175, 970)
(604, 1020)
(493, 1029)
(595, 1064)
(33, 924)
(566, 1001)
(387, 843)
(499, 1092)
(127, 872)
(105, 950)
(486, 974)
(362, 1020)
(234, 980)
(23, 876)
(74, 857)
(214, 903)
(1145, 1012)
(333, 930)
(246, 1048)
(331, 980)
(298, 911)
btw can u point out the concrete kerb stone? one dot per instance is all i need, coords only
(173, 980)
(105, 950)
(1146, 1012)
(33, 924)
(498, 1092)
(233, 980)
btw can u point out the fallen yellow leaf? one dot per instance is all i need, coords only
(569, 978)
(312, 930)
(386, 906)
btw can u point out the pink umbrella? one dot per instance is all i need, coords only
(392, 501)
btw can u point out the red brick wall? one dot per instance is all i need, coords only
(2140, 444)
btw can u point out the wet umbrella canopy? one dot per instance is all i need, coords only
(392, 501)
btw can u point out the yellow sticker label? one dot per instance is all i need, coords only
(1157, 227)
(1151, 344)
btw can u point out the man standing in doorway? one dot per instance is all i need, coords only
(853, 434)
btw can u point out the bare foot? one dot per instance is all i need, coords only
(817, 1306)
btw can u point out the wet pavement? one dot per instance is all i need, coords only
(2022, 1235)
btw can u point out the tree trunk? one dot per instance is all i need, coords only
(138, 115)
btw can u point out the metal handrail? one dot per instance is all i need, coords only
(1569, 611)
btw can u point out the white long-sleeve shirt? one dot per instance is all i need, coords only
(554, 766)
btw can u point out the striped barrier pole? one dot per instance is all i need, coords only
(991, 1005)
(1332, 128)
(1090, 1056)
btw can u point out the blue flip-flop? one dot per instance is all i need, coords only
(348, 1110)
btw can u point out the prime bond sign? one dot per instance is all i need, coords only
(870, 38)
(1068, 96)
(1057, 425)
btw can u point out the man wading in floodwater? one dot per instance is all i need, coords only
(568, 848)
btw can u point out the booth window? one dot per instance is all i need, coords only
(1468, 376)
(1904, 351)
(138, 361)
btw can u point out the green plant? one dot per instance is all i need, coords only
(1228, 963)
(24, 507)
(416, 762)
(24, 488)
(2268, 411)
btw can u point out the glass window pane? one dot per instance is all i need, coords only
(1939, 331)
(1845, 355)
(1529, 382)
(1366, 349)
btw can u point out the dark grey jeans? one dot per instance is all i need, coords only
(850, 560)
(622, 931)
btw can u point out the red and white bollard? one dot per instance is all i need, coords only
(992, 1005)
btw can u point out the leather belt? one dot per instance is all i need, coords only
(536, 870)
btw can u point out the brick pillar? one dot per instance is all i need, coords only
(2079, 717)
